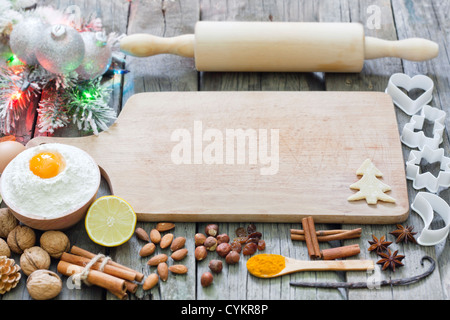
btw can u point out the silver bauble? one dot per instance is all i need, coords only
(24, 39)
(60, 49)
(97, 56)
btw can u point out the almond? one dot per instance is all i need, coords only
(147, 250)
(179, 254)
(178, 269)
(178, 243)
(165, 226)
(155, 236)
(154, 261)
(163, 271)
(142, 234)
(166, 240)
(150, 282)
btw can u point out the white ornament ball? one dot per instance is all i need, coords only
(97, 56)
(24, 39)
(60, 49)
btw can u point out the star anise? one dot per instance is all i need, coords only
(404, 234)
(379, 245)
(390, 260)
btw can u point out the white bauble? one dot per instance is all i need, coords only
(24, 39)
(60, 49)
(97, 56)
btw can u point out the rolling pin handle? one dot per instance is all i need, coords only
(414, 49)
(145, 45)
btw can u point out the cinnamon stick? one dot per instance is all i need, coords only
(109, 269)
(340, 252)
(347, 234)
(312, 243)
(85, 253)
(113, 284)
(321, 233)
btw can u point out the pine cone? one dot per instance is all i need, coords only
(9, 274)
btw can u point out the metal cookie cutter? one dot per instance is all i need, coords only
(402, 100)
(425, 204)
(428, 180)
(417, 139)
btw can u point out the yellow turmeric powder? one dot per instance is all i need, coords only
(265, 265)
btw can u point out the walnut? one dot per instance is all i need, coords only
(34, 258)
(55, 243)
(7, 222)
(4, 249)
(21, 238)
(44, 285)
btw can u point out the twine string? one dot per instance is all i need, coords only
(83, 275)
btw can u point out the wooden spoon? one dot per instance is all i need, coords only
(292, 265)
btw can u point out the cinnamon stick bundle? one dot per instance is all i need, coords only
(109, 269)
(85, 253)
(113, 284)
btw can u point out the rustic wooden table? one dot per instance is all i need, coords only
(399, 19)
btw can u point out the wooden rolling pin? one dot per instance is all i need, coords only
(279, 46)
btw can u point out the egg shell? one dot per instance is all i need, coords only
(8, 151)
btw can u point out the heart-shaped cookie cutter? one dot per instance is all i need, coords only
(402, 100)
(418, 139)
(427, 179)
(425, 204)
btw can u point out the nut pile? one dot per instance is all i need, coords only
(247, 241)
(34, 259)
(160, 261)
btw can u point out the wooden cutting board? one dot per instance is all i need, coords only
(323, 138)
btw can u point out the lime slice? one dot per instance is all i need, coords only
(110, 221)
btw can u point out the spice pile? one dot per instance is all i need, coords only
(380, 247)
(160, 261)
(247, 241)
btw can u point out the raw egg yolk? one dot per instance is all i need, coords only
(47, 165)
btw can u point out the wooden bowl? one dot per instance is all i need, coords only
(63, 221)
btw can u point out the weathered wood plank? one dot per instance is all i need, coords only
(161, 73)
(241, 284)
(428, 19)
(114, 16)
(374, 77)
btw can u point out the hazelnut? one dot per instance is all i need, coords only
(55, 243)
(232, 257)
(206, 279)
(34, 258)
(215, 266)
(212, 230)
(4, 249)
(44, 285)
(21, 238)
(222, 238)
(210, 243)
(7, 222)
(199, 239)
(223, 249)
(200, 253)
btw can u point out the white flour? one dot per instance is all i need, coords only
(50, 198)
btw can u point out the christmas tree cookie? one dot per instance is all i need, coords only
(370, 188)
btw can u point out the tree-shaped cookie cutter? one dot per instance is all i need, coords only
(418, 139)
(425, 205)
(427, 179)
(402, 100)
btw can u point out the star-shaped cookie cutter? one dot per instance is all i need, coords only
(425, 205)
(427, 179)
(418, 139)
(402, 100)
